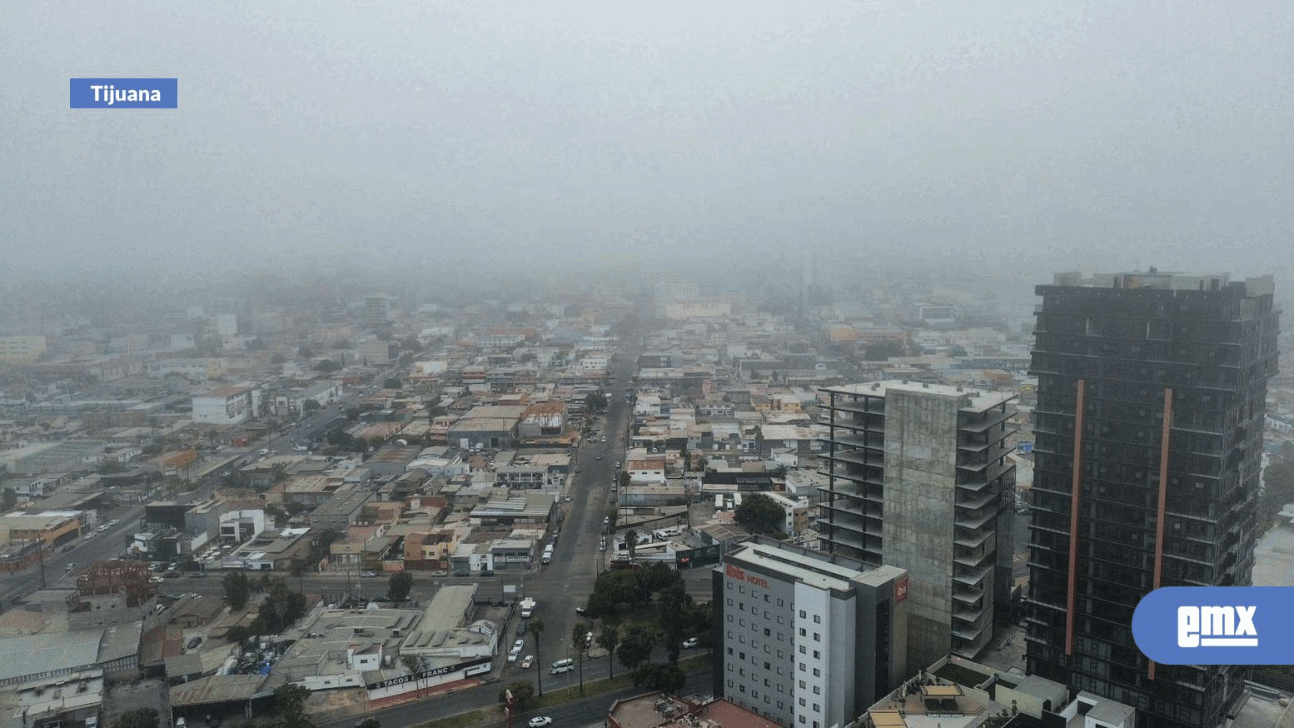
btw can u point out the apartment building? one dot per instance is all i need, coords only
(918, 478)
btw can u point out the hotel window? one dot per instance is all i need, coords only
(766, 598)
(768, 632)
(729, 588)
(817, 690)
(779, 603)
(817, 655)
(730, 601)
(802, 702)
(817, 619)
(741, 590)
(730, 650)
(803, 650)
(802, 614)
(803, 633)
(817, 636)
(817, 672)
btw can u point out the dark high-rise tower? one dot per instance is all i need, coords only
(1149, 424)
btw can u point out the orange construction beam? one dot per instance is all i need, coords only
(1162, 507)
(1076, 486)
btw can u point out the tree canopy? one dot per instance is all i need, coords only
(238, 589)
(398, 586)
(760, 514)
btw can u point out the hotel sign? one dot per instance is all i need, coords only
(901, 589)
(741, 575)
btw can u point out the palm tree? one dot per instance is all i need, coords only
(577, 639)
(536, 628)
(609, 639)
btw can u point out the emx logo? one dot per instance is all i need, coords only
(1216, 625)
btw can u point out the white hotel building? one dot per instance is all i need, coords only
(804, 639)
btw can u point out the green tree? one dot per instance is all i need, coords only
(668, 678)
(310, 405)
(673, 613)
(238, 589)
(370, 723)
(8, 499)
(760, 514)
(636, 646)
(398, 586)
(277, 358)
(279, 516)
(137, 718)
(608, 640)
(624, 479)
(631, 542)
(290, 707)
(281, 607)
(327, 365)
(536, 628)
(392, 383)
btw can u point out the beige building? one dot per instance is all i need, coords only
(21, 349)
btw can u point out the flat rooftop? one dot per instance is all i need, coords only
(978, 400)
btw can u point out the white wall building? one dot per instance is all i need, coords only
(226, 405)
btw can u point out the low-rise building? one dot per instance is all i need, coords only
(346, 507)
(227, 405)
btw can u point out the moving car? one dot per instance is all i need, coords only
(540, 721)
(527, 662)
(519, 645)
(514, 654)
(368, 574)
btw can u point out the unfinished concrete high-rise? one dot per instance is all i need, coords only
(1149, 440)
(918, 478)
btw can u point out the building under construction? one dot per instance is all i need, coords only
(1149, 427)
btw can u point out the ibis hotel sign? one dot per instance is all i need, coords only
(739, 574)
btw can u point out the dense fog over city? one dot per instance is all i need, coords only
(1010, 138)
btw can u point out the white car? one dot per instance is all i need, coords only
(513, 655)
(113, 522)
(526, 663)
(691, 642)
(540, 721)
(519, 645)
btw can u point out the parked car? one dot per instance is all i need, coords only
(368, 574)
(579, 611)
(70, 565)
(526, 663)
(519, 645)
(540, 721)
(521, 629)
(514, 654)
(691, 642)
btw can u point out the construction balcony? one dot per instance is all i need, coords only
(856, 441)
(984, 421)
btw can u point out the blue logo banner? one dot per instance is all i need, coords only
(124, 93)
(1216, 625)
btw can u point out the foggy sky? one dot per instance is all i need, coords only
(1036, 135)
